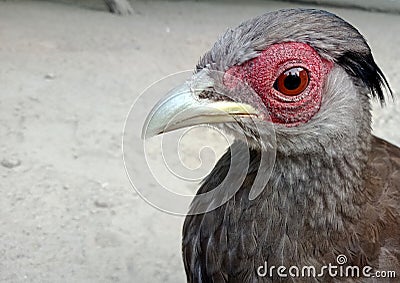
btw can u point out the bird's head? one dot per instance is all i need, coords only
(308, 72)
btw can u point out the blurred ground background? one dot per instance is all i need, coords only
(68, 75)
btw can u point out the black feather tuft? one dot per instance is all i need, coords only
(364, 68)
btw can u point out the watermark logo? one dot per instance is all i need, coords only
(166, 169)
(339, 269)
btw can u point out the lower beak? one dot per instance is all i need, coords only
(182, 108)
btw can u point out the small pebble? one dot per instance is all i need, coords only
(101, 204)
(10, 163)
(50, 76)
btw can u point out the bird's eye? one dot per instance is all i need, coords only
(292, 81)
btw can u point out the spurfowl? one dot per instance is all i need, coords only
(334, 188)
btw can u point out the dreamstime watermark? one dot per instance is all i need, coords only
(332, 270)
(153, 160)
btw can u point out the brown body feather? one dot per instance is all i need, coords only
(229, 243)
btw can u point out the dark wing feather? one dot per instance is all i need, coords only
(196, 249)
(382, 181)
(376, 238)
(206, 237)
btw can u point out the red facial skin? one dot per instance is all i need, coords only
(261, 72)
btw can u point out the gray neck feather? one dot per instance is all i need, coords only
(316, 186)
(319, 164)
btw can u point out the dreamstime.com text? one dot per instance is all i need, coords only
(309, 271)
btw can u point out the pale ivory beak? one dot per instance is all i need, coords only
(182, 108)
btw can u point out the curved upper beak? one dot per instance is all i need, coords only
(183, 107)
